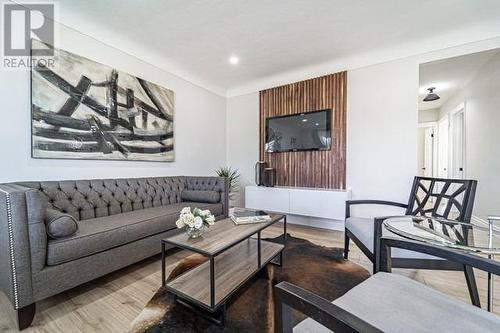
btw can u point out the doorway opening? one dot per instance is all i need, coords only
(458, 121)
(457, 139)
(427, 154)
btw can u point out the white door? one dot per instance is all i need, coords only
(457, 144)
(428, 152)
(442, 170)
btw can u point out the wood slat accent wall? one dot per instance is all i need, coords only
(320, 169)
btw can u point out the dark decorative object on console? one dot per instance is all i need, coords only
(260, 166)
(85, 110)
(269, 177)
(264, 176)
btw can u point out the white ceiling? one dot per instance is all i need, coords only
(448, 76)
(194, 38)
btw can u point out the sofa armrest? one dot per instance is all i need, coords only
(219, 184)
(23, 241)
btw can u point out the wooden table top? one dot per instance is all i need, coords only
(222, 235)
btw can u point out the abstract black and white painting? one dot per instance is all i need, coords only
(82, 109)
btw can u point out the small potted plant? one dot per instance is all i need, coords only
(232, 176)
(195, 221)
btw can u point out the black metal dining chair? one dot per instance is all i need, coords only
(388, 302)
(451, 199)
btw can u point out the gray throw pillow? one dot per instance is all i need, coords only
(201, 196)
(60, 225)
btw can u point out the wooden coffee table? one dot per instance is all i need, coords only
(233, 258)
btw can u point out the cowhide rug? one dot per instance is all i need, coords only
(319, 269)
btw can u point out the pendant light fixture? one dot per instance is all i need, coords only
(431, 96)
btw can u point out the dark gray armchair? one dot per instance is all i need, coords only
(388, 302)
(443, 198)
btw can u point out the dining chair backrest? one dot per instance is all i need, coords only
(451, 199)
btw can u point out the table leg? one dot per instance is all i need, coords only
(490, 276)
(284, 241)
(217, 318)
(259, 263)
(162, 264)
(223, 315)
(284, 230)
(212, 282)
(490, 289)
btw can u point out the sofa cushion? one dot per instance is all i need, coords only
(88, 199)
(363, 229)
(395, 303)
(201, 196)
(59, 225)
(100, 234)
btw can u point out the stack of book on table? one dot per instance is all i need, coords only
(248, 216)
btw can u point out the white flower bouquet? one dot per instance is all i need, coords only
(195, 221)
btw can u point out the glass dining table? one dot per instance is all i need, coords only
(472, 238)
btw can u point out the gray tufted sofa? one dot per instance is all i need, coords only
(120, 222)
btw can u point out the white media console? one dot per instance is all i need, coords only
(322, 208)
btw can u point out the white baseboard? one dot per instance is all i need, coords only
(316, 222)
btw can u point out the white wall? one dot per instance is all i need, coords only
(382, 116)
(381, 129)
(482, 121)
(428, 115)
(243, 139)
(200, 123)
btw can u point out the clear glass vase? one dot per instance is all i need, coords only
(193, 232)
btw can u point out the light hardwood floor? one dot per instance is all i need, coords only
(109, 304)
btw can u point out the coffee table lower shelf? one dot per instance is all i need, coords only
(232, 269)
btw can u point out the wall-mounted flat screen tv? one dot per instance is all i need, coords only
(298, 132)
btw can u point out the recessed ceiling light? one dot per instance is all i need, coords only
(233, 60)
(317, 124)
(304, 120)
